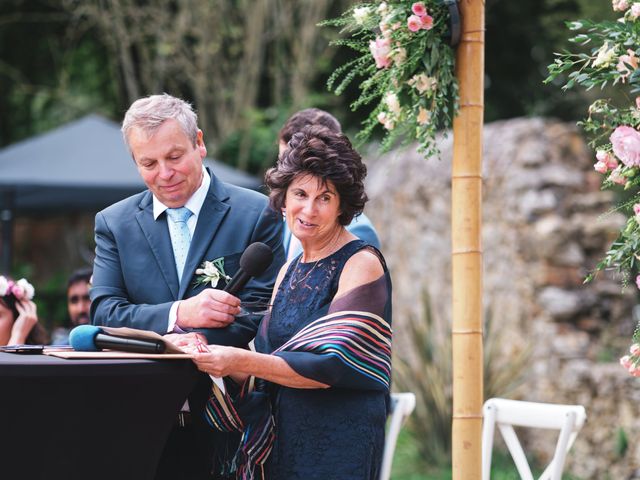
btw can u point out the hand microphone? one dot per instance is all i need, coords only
(253, 262)
(89, 338)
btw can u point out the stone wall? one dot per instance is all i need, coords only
(544, 228)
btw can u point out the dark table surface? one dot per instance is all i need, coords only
(87, 419)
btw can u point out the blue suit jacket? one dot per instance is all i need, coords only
(134, 274)
(360, 226)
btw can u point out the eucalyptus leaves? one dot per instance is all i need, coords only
(612, 59)
(609, 57)
(407, 68)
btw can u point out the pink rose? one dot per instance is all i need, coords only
(600, 167)
(635, 11)
(626, 145)
(638, 281)
(419, 9)
(414, 23)
(427, 22)
(608, 161)
(616, 177)
(634, 349)
(626, 362)
(381, 51)
(619, 5)
(18, 291)
(626, 61)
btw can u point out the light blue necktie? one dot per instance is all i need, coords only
(180, 236)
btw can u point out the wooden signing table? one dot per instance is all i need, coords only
(87, 418)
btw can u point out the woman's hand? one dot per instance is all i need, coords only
(27, 319)
(219, 361)
(186, 341)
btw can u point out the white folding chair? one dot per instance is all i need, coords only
(402, 404)
(569, 419)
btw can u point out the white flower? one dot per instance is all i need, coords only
(605, 56)
(360, 14)
(424, 116)
(211, 272)
(399, 55)
(382, 8)
(4, 286)
(423, 83)
(391, 100)
(386, 120)
(28, 289)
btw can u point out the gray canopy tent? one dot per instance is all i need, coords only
(82, 166)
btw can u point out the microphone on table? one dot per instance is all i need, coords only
(253, 262)
(89, 338)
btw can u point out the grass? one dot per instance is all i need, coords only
(408, 464)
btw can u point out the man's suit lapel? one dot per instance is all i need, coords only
(211, 215)
(157, 235)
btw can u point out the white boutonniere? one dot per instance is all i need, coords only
(211, 272)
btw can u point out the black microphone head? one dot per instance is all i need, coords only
(256, 259)
(83, 338)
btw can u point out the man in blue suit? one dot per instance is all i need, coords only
(361, 226)
(149, 246)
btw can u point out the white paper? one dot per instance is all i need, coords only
(219, 382)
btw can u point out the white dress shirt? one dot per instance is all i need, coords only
(194, 204)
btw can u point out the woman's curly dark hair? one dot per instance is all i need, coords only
(327, 155)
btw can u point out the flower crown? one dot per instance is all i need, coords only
(20, 290)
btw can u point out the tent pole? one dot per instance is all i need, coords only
(6, 220)
(466, 246)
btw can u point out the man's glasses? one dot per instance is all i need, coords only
(73, 299)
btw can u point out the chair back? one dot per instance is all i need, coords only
(402, 404)
(568, 419)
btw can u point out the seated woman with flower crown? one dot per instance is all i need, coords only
(18, 317)
(311, 402)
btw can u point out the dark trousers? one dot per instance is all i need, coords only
(188, 454)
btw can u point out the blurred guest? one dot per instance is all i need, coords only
(18, 315)
(78, 304)
(360, 226)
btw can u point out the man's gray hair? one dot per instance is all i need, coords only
(149, 113)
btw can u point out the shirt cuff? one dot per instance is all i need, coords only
(173, 318)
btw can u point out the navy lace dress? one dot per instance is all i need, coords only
(333, 433)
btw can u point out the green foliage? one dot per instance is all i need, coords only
(254, 148)
(408, 76)
(605, 54)
(622, 442)
(51, 72)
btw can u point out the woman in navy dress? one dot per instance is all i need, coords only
(312, 399)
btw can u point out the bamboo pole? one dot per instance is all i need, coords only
(466, 245)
